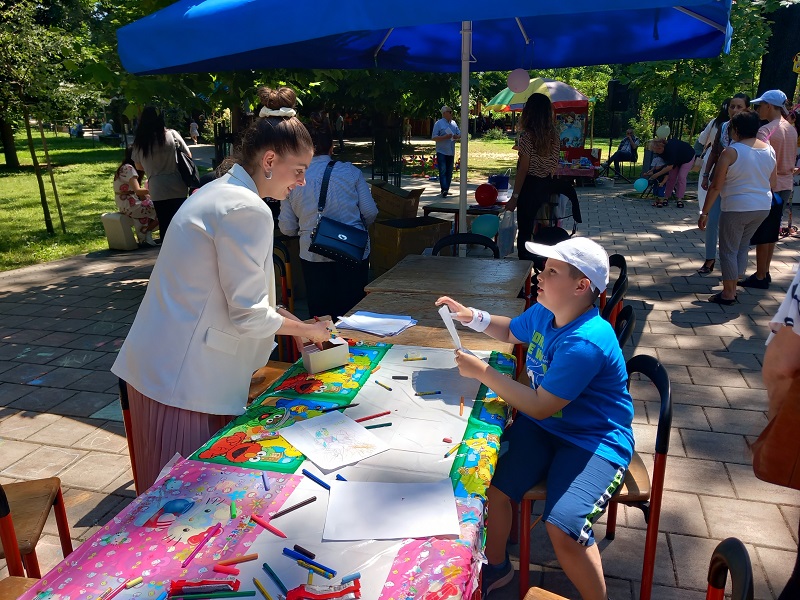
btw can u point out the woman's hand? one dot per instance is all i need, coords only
(704, 182)
(511, 205)
(470, 365)
(319, 331)
(702, 221)
(460, 312)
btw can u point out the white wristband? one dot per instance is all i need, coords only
(480, 320)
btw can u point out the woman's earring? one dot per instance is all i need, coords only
(267, 174)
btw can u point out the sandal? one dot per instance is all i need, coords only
(679, 203)
(718, 299)
(707, 267)
(657, 204)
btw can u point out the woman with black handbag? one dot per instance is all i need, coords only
(333, 286)
(154, 150)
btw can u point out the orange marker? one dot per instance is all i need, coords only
(238, 559)
(461, 407)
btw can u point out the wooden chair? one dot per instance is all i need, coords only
(12, 588)
(30, 502)
(626, 321)
(730, 555)
(456, 239)
(638, 489)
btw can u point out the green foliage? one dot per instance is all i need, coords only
(494, 134)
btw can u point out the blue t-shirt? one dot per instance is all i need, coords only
(443, 127)
(582, 363)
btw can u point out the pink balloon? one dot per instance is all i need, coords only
(518, 80)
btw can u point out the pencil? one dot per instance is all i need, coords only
(415, 358)
(238, 559)
(383, 385)
(266, 525)
(333, 408)
(453, 449)
(316, 479)
(272, 575)
(375, 416)
(461, 407)
(280, 513)
(428, 393)
(378, 426)
(261, 589)
(217, 528)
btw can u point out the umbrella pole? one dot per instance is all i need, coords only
(466, 55)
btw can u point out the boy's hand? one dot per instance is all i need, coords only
(470, 365)
(462, 313)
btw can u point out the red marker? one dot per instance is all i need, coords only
(226, 569)
(381, 414)
(267, 526)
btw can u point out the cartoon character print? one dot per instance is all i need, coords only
(191, 526)
(536, 363)
(478, 468)
(160, 515)
(115, 539)
(301, 383)
(235, 448)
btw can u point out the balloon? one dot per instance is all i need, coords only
(487, 225)
(662, 132)
(640, 184)
(518, 80)
(486, 194)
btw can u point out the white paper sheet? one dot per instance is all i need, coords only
(333, 440)
(376, 323)
(359, 510)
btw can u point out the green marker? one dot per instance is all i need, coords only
(378, 426)
(234, 512)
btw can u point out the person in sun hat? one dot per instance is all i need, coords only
(574, 424)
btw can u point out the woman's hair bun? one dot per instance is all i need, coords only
(277, 99)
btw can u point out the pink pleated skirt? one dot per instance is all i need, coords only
(159, 431)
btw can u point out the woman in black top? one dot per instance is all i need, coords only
(679, 158)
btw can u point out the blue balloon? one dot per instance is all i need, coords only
(640, 184)
(486, 225)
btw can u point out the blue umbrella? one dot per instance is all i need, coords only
(414, 35)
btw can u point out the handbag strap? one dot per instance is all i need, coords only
(323, 191)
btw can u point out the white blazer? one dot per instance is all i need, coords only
(207, 320)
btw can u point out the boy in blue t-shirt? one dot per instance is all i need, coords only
(574, 421)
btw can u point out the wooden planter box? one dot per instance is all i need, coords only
(395, 239)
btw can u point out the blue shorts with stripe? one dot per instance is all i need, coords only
(579, 483)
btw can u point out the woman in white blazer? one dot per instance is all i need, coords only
(208, 318)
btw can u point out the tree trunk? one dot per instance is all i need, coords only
(48, 222)
(10, 151)
(52, 177)
(776, 64)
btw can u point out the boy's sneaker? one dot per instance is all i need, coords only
(493, 578)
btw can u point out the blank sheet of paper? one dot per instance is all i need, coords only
(359, 510)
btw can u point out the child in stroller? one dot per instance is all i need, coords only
(659, 185)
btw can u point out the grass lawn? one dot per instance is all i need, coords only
(83, 176)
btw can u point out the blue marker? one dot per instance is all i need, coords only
(297, 556)
(316, 479)
(351, 577)
(340, 478)
(162, 596)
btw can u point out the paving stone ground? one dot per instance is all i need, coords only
(61, 324)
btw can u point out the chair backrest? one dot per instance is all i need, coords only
(456, 239)
(8, 538)
(730, 555)
(618, 291)
(623, 328)
(651, 368)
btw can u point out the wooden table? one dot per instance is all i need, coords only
(455, 276)
(430, 330)
(454, 208)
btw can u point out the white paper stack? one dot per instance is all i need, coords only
(376, 323)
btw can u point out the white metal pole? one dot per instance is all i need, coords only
(466, 56)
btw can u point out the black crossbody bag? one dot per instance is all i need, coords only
(340, 242)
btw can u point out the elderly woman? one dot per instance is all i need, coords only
(741, 176)
(678, 159)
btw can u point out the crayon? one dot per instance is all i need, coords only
(134, 582)
(234, 510)
(297, 556)
(238, 559)
(351, 577)
(272, 575)
(383, 385)
(225, 569)
(428, 393)
(284, 511)
(262, 589)
(461, 407)
(316, 479)
(214, 531)
(301, 550)
(378, 426)
(375, 369)
(340, 478)
(266, 525)
(401, 377)
(310, 580)
(312, 569)
(375, 416)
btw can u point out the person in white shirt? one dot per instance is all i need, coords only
(332, 288)
(209, 316)
(445, 133)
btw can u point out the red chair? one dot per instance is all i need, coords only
(30, 502)
(638, 489)
(610, 308)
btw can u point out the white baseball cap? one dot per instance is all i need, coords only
(582, 253)
(774, 97)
